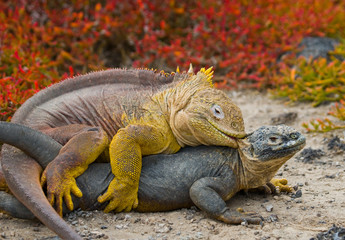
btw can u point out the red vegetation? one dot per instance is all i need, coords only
(43, 42)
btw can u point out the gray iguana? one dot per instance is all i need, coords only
(201, 176)
(123, 115)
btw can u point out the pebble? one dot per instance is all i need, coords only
(272, 218)
(128, 217)
(298, 194)
(119, 226)
(162, 228)
(199, 235)
(269, 208)
(244, 223)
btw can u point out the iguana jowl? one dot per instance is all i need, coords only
(168, 182)
(125, 114)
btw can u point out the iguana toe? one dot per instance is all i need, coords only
(237, 217)
(281, 185)
(60, 187)
(121, 197)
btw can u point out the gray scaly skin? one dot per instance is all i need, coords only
(181, 180)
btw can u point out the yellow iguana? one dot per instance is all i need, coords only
(124, 115)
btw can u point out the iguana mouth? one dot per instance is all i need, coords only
(298, 144)
(228, 134)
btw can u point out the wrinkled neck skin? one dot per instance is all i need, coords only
(173, 100)
(255, 173)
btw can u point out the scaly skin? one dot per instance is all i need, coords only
(192, 113)
(177, 181)
(125, 114)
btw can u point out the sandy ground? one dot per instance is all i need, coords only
(319, 203)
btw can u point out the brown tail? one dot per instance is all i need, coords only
(22, 173)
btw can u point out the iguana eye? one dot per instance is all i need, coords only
(217, 112)
(273, 139)
(293, 136)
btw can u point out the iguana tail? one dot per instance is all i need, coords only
(22, 173)
(37, 145)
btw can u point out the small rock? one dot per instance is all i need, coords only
(284, 118)
(269, 208)
(298, 194)
(308, 155)
(119, 226)
(335, 233)
(244, 223)
(199, 235)
(330, 176)
(128, 217)
(162, 228)
(336, 144)
(272, 218)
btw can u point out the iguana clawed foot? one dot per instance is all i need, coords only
(280, 185)
(122, 196)
(59, 185)
(239, 216)
(275, 186)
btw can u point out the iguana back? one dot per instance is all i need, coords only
(95, 99)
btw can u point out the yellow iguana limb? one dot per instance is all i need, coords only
(126, 151)
(84, 145)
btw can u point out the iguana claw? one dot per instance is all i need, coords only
(237, 217)
(281, 185)
(59, 187)
(121, 197)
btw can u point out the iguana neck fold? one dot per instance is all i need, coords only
(252, 168)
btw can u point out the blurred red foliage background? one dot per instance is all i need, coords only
(42, 42)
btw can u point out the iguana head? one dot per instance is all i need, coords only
(265, 150)
(275, 142)
(204, 115)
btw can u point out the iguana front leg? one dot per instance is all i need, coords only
(209, 194)
(126, 151)
(86, 143)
